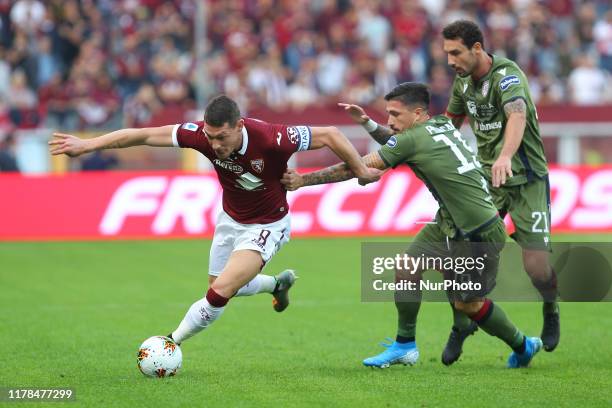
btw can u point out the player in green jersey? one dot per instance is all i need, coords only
(493, 93)
(467, 219)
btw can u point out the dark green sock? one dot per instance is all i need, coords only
(492, 319)
(460, 320)
(408, 305)
(550, 307)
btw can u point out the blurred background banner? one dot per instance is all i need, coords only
(137, 205)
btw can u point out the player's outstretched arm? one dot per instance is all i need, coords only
(379, 133)
(334, 139)
(292, 180)
(73, 146)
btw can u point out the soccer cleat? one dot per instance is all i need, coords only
(396, 353)
(284, 282)
(551, 331)
(454, 345)
(532, 346)
(170, 337)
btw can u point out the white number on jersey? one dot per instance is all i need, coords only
(465, 164)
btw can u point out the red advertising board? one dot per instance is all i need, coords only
(131, 205)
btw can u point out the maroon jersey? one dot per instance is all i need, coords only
(252, 191)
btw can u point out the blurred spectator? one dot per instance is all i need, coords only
(5, 72)
(45, 63)
(28, 15)
(130, 65)
(57, 100)
(99, 160)
(603, 40)
(373, 27)
(96, 102)
(22, 102)
(587, 82)
(8, 163)
(140, 108)
(546, 89)
(332, 68)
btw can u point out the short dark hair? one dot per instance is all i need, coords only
(465, 30)
(221, 110)
(410, 93)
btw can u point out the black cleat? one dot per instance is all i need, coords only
(454, 345)
(551, 331)
(170, 337)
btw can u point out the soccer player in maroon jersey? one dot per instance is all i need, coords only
(250, 157)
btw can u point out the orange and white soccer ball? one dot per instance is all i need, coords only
(159, 356)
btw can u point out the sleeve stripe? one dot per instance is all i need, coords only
(514, 98)
(175, 136)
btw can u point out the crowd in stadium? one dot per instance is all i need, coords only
(102, 64)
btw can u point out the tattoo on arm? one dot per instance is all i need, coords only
(516, 106)
(381, 134)
(341, 171)
(332, 174)
(114, 145)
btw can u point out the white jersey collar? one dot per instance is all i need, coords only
(245, 141)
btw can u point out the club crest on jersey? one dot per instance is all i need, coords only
(190, 126)
(257, 165)
(485, 88)
(508, 81)
(392, 142)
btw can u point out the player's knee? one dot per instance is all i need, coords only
(469, 308)
(225, 289)
(211, 280)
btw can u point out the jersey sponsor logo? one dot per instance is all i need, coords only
(508, 81)
(249, 182)
(190, 126)
(484, 127)
(257, 165)
(392, 142)
(228, 165)
(485, 87)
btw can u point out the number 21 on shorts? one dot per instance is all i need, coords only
(540, 223)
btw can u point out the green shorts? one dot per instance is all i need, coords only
(529, 208)
(484, 246)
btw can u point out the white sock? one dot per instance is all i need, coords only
(199, 316)
(259, 284)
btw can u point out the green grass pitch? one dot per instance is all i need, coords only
(74, 314)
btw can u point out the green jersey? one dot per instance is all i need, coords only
(443, 160)
(483, 102)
